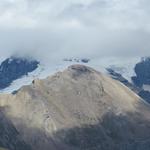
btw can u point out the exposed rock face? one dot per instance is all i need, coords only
(77, 60)
(142, 70)
(14, 68)
(78, 109)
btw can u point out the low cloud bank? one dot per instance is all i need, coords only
(51, 30)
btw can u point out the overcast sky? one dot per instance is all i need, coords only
(68, 28)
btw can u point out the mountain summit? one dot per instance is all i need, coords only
(77, 109)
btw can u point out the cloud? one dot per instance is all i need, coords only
(51, 29)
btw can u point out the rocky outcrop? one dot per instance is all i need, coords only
(142, 70)
(14, 68)
(77, 60)
(79, 109)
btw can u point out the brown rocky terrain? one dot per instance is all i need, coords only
(77, 109)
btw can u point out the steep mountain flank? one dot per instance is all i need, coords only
(78, 109)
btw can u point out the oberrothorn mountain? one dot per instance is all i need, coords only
(79, 108)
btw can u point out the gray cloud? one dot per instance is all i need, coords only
(52, 29)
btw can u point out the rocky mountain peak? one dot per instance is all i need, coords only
(77, 109)
(80, 69)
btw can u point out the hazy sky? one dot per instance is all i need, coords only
(63, 28)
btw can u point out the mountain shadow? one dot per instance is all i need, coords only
(10, 138)
(111, 133)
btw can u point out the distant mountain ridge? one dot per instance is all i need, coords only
(25, 70)
(142, 70)
(15, 67)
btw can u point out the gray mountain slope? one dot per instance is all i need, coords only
(79, 109)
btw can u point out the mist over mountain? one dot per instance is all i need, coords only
(49, 99)
(51, 30)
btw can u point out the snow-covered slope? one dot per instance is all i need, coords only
(125, 67)
(121, 65)
(43, 70)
